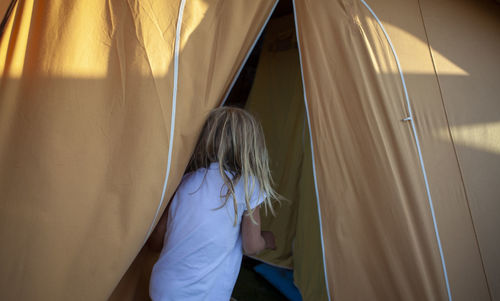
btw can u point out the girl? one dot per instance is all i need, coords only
(214, 215)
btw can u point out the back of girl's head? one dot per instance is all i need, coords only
(233, 138)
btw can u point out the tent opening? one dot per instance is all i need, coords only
(270, 87)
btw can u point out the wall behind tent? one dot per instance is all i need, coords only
(85, 125)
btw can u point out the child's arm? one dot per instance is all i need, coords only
(255, 240)
(155, 241)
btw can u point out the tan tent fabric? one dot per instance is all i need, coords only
(377, 227)
(276, 99)
(411, 37)
(468, 70)
(82, 138)
(220, 48)
(406, 27)
(86, 98)
(85, 115)
(455, 227)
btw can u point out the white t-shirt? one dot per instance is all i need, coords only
(202, 251)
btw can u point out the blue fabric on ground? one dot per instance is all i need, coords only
(280, 278)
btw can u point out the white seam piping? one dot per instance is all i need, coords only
(410, 118)
(312, 150)
(248, 55)
(174, 102)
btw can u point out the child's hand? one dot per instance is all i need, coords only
(269, 239)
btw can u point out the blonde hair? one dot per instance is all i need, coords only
(233, 138)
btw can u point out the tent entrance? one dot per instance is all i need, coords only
(270, 87)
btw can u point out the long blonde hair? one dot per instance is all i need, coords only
(233, 138)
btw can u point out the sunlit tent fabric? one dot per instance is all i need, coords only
(101, 104)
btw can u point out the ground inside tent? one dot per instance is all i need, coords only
(251, 286)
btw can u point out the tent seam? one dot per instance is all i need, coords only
(431, 54)
(312, 151)
(172, 119)
(6, 17)
(422, 166)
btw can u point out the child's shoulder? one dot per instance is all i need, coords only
(197, 175)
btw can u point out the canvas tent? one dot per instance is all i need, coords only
(101, 104)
